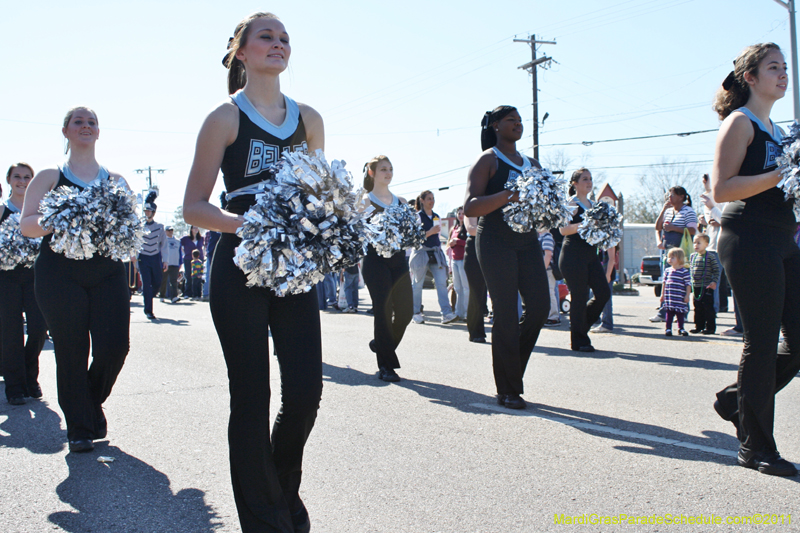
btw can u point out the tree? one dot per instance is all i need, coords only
(179, 226)
(643, 205)
(557, 161)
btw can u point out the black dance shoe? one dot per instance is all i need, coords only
(34, 391)
(514, 401)
(81, 446)
(770, 463)
(388, 375)
(479, 340)
(588, 348)
(695, 331)
(150, 316)
(16, 400)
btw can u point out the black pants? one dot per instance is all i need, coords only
(476, 309)
(20, 358)
(266, 469)
(82, 301)
(389, 285)
(582, 271)
(705, 317)
(512, 265)
(763, 266)
(170, 282)
(151, 270)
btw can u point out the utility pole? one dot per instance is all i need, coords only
(789, 5)
(531, 68)
(150, 171)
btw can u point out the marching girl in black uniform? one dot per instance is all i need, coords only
(80, 299)
(387, 279)
(20, 358)
(244, 137)
(756, 243)
(580, 265)
(511, 262)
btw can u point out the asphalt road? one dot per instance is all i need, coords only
(626, 431)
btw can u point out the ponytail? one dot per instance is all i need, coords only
(574, 179)
(488, 133)
(735, 92)
(237, 76)
(420, 199)
(372, 164)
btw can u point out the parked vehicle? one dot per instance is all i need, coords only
(651, 273)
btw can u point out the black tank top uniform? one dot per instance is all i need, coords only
(258, 146)
(68, 179)
(7, 212)
(768, 208)
(575, 239)
(380, 207)
(494, 222)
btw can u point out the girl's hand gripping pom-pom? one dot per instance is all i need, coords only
(304, 224)
(542, 203)
(99, 219)
(601, 226)
(396, 228)
(789, 165)
(16, 249)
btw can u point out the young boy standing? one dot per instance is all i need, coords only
(705, 269)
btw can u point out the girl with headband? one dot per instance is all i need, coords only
(244, 137)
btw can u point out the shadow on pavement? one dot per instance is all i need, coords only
(644, 358)
(33, 426)
(713, 439)
(127, 495)
(436, 392)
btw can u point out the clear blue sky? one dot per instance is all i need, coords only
(407, 79)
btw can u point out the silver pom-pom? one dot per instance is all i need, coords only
(100, 219)
(394, 229)
(15, 248)
(304, 224)
(789, 165)
(543, 202)
(601, 226)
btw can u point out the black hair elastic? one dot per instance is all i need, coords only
(729, 81)
(225, 57)
(485, 120)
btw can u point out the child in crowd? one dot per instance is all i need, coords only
(705, 276)
(197, 275)
(548, 244)
(676, 291)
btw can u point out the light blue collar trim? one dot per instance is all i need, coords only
(102, 174)
(374, 199)
(578, 201)
(11, 207)
(776, 134)
(525, 161)
(284, 131)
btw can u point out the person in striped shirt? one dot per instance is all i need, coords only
(151, 258)
(705, 277)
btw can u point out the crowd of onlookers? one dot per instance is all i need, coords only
(188, 265)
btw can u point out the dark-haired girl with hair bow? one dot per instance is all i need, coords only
(387, 279)
(244, 137)
(756, 243)
(580, 265)
(20, 358)
(511, 262)
(85, 303)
